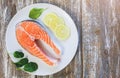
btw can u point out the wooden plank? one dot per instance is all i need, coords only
(91, 49)
(100, 27)
(111, 25)
(9, 8)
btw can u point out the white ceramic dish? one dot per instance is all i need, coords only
(70, 45)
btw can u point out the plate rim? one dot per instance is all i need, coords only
(77, 30)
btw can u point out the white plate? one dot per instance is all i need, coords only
(70, 45)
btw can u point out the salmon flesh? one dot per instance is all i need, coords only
(31, 36)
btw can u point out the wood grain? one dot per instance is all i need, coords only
(100, 35)
(98, 23)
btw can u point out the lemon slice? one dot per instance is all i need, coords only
(62, 32)
(57, 23)
(60, 21)
(50, 19)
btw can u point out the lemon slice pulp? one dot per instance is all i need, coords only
(62, 32)
(50, 19)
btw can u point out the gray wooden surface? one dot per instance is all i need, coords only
(98, 55)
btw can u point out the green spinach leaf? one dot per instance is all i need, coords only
(18, 54)
(31, 67)
(22, 62)
(35, 12)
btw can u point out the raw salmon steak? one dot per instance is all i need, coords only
(33, 38)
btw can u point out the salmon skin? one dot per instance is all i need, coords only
(31, 36)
